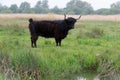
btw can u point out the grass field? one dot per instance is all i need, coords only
(92, 47)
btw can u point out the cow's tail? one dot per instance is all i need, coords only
(31, 27)
(30, 20)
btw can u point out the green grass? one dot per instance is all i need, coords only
(87, 47)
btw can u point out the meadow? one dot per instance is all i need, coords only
(93, 46)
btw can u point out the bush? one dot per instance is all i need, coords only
(95, 33)
(17, 30)
(22, 66)
(26, 65)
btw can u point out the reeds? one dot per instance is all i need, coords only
(56, 16)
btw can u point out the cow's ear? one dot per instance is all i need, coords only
(30, 20)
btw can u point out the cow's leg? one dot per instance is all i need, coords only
(35, 40)
(57, 41)
(32, 42)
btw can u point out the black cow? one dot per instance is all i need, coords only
(57, 29)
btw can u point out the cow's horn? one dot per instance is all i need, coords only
(64, 16)
(78, 17)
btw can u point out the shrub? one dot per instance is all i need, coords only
(25, 65)
(22, 66)
(95, 33)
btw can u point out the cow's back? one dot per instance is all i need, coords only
(46, 28)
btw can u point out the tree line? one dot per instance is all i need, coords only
(72, 7)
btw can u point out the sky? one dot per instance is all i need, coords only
(96, 4)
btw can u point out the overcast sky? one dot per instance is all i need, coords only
(96, 4)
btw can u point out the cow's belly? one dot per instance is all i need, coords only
(47, 34)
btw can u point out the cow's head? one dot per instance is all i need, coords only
(70, 21)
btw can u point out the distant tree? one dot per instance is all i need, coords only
(41, 7)
(102, 11)
(38, 4)
(5, 9)
(0, 7)
(24, 7)
(115, 8)
(115, 5)
(56, 10)
(14, 8)
(79, 7)
(105, 11)
(114, 11)
(38, 7)
(45, 4)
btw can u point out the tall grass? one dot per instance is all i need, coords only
(56, 16)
